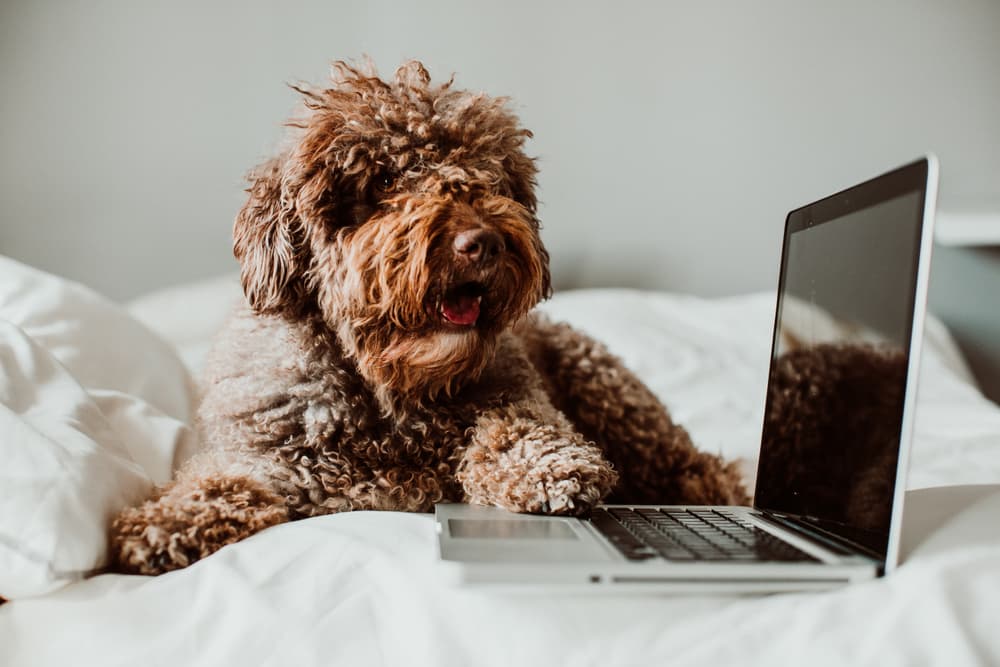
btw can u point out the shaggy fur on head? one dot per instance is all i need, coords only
(356, 223)
(386, 357)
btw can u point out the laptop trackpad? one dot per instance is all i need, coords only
(474, 533)
(511, 529)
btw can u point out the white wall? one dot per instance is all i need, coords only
(672, 136)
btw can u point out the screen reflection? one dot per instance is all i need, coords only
(838, 370)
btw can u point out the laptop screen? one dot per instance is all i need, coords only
(837, 380)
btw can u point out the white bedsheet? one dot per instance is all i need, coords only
(361, 588)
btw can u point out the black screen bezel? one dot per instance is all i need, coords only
(911, 178)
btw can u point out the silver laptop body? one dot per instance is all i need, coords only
(829, 497)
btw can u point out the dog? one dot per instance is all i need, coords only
(838, 404)
(387, 357)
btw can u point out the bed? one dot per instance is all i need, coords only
(363, 588)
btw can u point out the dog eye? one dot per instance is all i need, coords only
(384, 181)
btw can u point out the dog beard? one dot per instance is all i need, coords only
(417, 322)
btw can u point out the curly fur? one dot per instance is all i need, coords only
(343, 384)
(837, 407)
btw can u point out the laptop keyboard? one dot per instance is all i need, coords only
(696, 534)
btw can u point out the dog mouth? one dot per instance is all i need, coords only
(461, 305)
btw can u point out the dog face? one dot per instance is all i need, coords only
(404, 215)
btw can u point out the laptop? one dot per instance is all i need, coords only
(838, 420)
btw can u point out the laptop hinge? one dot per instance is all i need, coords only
(835, 543)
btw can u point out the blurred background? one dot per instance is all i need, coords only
(672, 137)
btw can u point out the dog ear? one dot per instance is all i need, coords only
(521, 171)
(546, 274)
(268, 242)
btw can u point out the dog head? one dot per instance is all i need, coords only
(402, 216)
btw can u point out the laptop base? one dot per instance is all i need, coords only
(492, 549)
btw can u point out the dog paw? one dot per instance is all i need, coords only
(525, 465)
(186, 524)
(571, 492)
(557, 485)
(140, 546)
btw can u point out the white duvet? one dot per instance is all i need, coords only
(362, 588)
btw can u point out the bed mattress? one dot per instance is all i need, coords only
(364, 588)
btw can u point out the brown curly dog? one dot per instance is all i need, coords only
(385, 358)
(838, 407)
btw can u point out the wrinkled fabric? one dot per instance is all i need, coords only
(94, 409)
(364, 588)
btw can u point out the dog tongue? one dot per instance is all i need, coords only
(462, 310)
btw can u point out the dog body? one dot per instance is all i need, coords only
(387, 357)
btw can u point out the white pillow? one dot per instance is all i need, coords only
(94, 409)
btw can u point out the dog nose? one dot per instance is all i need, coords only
(479, 245)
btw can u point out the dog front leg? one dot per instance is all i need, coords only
(190, 519)
(610, 405)
(526, 457)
